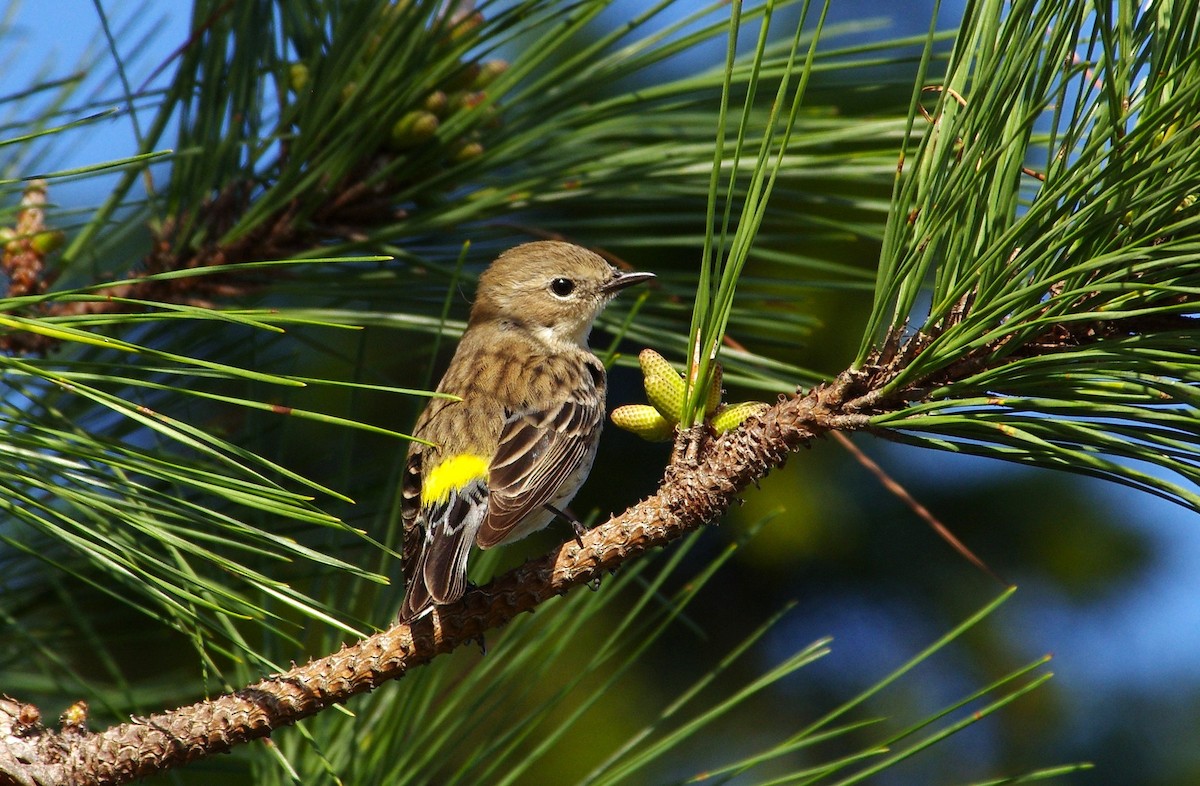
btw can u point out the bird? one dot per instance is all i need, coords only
(501, 458)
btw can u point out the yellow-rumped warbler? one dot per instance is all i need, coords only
(522, 439)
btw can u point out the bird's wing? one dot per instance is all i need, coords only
(539, 450)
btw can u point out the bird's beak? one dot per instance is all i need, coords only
(624, 279)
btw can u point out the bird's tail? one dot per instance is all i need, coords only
(439, 572)
(417, 599)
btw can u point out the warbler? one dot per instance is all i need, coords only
(519, 442)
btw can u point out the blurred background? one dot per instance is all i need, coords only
(1106, 576)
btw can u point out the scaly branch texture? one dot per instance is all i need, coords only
(700, 483)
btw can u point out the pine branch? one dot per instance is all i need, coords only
(964, 379)
(303, 149)
(703, 481)
(704, 478)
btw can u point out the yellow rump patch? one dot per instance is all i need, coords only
(451, 475)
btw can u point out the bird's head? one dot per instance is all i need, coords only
(554, 290)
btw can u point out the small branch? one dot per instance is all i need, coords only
(692, 494)
(893, 487)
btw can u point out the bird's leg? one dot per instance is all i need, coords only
(471, 587)
(580, 529)
(575, 523)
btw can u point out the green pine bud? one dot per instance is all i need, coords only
(645, 421)
(731, 416)
(297, 76)
(666, 395)
(414, 128)
(44, 242)
(436, 102)
(664, 386)
(714, 391)
(466, 152)
(489, 72)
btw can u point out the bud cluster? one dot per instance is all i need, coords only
(665, 390)
(462, 91)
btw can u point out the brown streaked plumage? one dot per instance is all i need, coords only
(524, 435)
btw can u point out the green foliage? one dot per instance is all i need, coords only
(285, 115)
(1040, 264)
(719, 275)
(191, 445)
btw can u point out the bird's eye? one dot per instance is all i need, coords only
(562, 286)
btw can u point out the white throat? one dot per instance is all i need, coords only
(554, 338)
